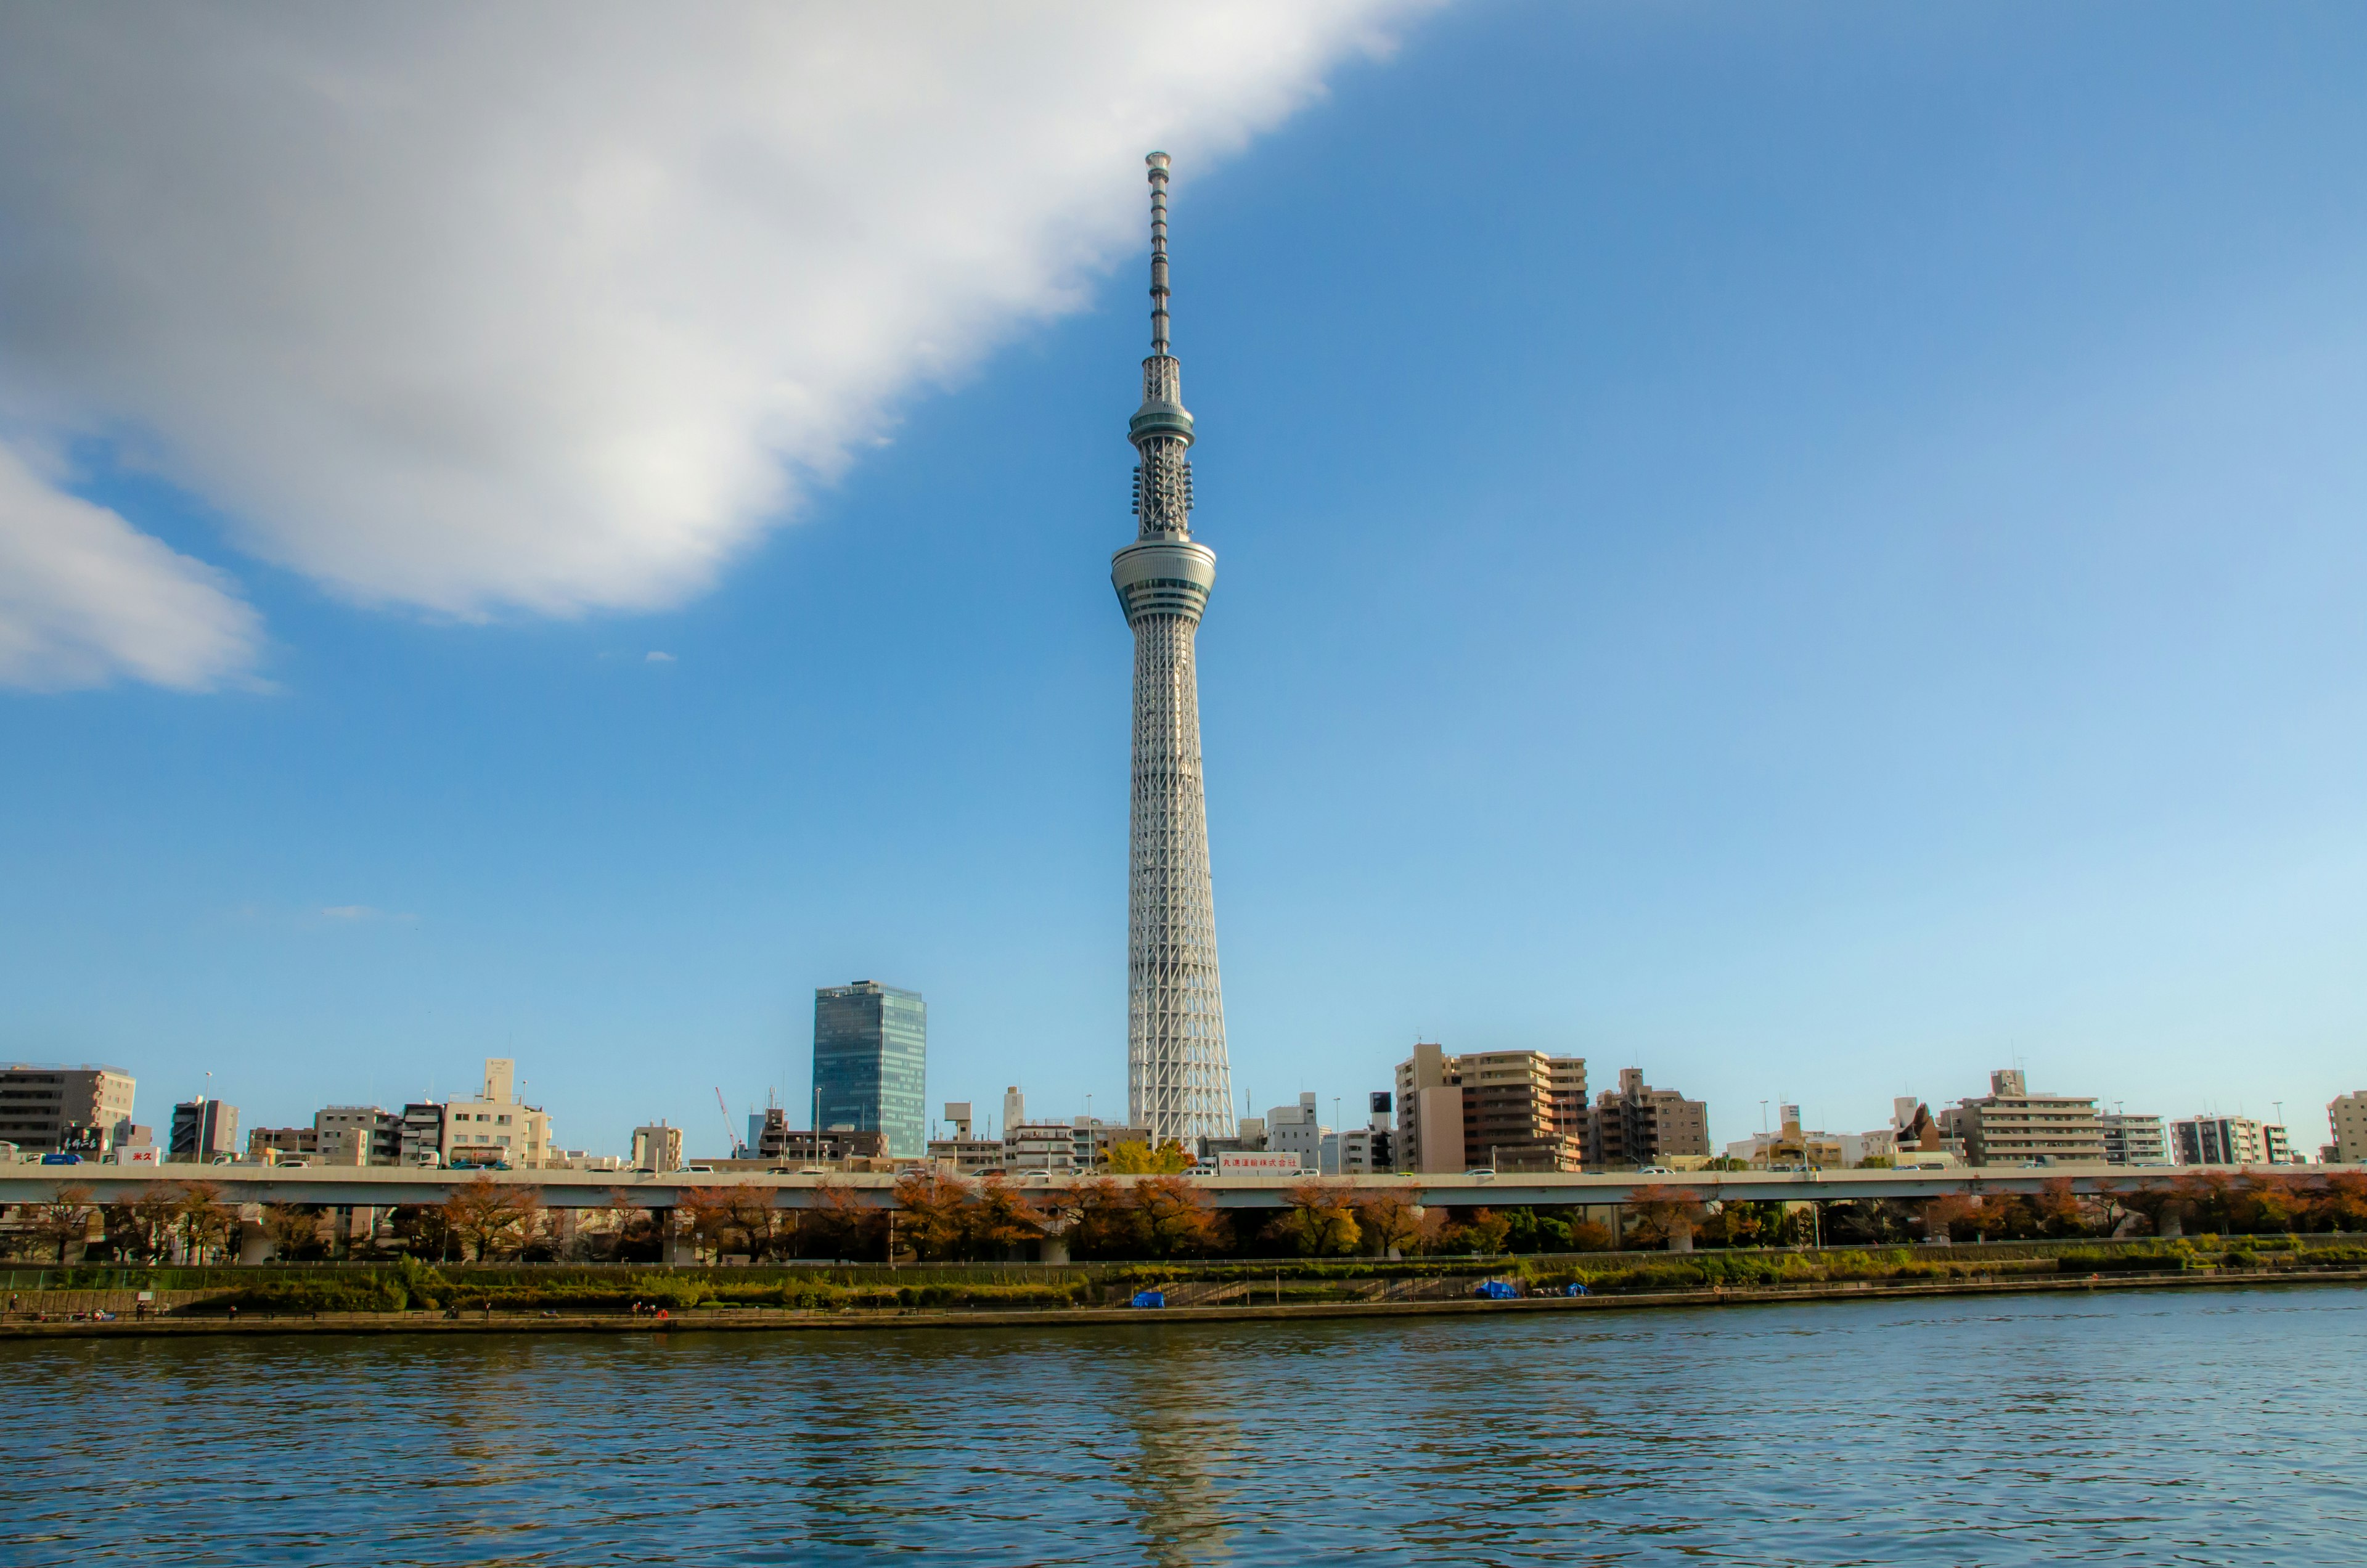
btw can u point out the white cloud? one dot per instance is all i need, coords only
(554, 307)
(85, 598)
(654, 657)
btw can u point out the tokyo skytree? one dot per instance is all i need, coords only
(1178, 1084)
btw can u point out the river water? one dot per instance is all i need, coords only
(2205, 1427)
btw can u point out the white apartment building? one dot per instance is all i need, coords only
(2134, 1140)
(2346, 1117)
(496, 1128)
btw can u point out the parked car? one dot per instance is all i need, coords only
(1654, 1170)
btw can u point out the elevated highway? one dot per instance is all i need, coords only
(379, 1186)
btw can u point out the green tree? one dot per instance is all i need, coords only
(1481, 1231)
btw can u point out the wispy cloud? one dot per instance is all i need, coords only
(352, 914)
(85, 598)
(551, 306)
(654, 657)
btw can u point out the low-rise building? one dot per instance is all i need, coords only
(52, 1109)
(2134, 1140)
(276, 1146)
(2346, 1118)
(2010, 1125)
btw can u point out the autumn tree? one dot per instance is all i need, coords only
(769, 1229)
(1319, 1219)
(1391, 1221)
(490, 1216)
(206, 1223)
(2340, 1201)
(1666, 1212)
(933, 1217)
(63, 1220)
(154, 1214)
(844, 1223)
(292, 1229)
(1136, 1157)
(1096, 1215)
(1001, 1221)
(1950, 1212)
(1483, 1231)
(707, 1214)
(1171, 1218)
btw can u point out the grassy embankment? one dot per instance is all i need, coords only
(410, 1287)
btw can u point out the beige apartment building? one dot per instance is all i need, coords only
(1489, 1109)
(1636, 1125)
(496, 1128)
(44, 1109)
(2010, 1126)
(2346, 1117)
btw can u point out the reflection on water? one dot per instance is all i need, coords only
(2187, 1426)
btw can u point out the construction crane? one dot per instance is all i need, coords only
(739, 1149)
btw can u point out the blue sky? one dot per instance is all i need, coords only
(1813, 551)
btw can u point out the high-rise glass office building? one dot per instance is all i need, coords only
(870, 1063)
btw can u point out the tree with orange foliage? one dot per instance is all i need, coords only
(2060, 1212)
(2340, 1201)
(1320, 1219)
(492, 1217)
(1171, 1218)
(1950, 1213)
(1001, 1221)
(844, 1223)
(1095, 1216)
(1480, 1230)
(1391, 1221)
(933, 1213)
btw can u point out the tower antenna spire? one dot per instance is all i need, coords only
(1158, 161)
(1178, 1080)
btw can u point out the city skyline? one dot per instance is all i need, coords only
(1821, 561)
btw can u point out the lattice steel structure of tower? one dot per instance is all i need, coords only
(1178, 1083)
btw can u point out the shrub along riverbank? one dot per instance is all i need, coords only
(411, 1287)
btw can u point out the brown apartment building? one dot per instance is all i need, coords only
(1489, 1111)
(1636, 1124)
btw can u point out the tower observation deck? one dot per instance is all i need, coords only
(1178, 1082)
